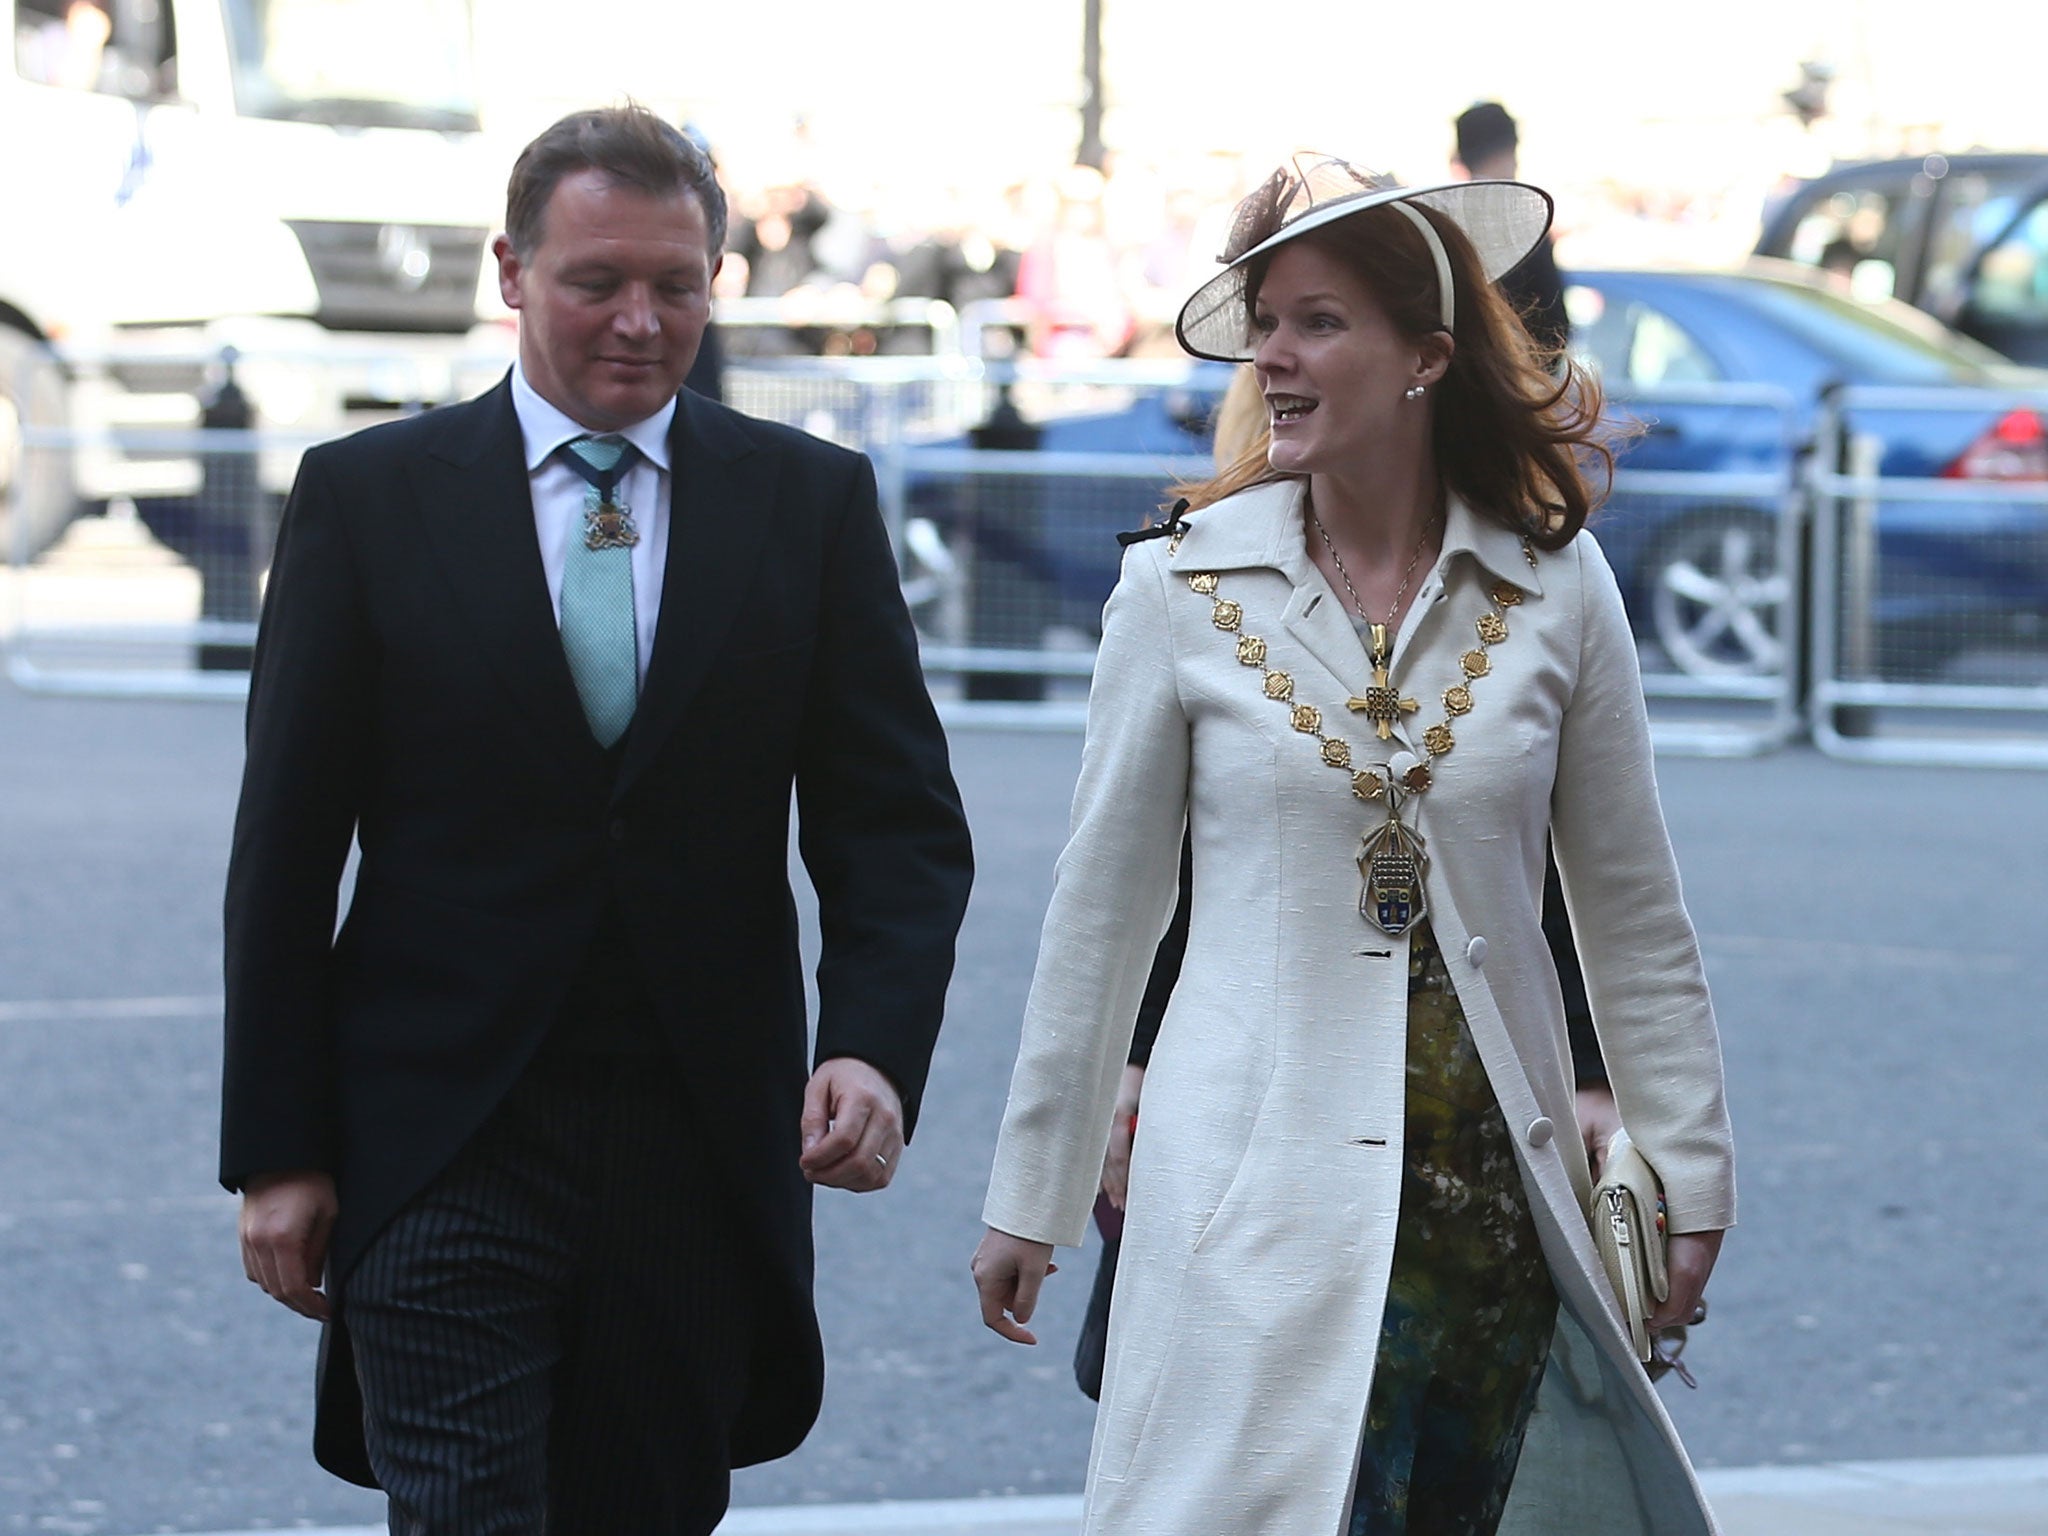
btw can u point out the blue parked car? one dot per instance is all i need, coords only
(1041, 549)
(1702, 576)
(1700, 573)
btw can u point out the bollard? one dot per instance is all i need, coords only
(230, 510)
(1004, 598)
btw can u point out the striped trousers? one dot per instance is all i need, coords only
(552, 1336)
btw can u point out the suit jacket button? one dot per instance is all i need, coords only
(617, 830)
(1476, 950)
(1540, 1131)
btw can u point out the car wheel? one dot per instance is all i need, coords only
(1718, 596)
(35, 487)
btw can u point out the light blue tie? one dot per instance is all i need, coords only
(598, 633)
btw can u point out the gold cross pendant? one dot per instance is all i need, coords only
(1382, 704)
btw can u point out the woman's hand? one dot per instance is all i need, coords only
(1690, 1256)
(1008, 1272)
(1123, 1129)
(1598, 1121)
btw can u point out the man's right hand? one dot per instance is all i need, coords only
(287, 1219)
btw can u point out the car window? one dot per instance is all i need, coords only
(1661, 352)
(1863, 234)
(1599, 337)
(1875, 344)
(2012, 280)
(1975, 206)
(1626, 341)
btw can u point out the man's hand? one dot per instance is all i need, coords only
(287, 1219)
(1008, 1272)
(852, 1125)
(1690, 1256)
(1123, 1130)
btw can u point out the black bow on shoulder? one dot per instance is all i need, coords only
(1174, 523)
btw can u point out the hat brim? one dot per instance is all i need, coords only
(1504, 220)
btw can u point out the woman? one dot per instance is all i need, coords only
(1368, 675)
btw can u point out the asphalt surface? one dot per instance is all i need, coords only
(1874, 936)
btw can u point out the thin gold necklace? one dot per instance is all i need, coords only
(1383, 705)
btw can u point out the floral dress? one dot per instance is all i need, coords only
(1470, 1307)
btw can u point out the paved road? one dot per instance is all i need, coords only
(1877, 948)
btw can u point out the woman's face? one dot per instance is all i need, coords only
(1333, 368)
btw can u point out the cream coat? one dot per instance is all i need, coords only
(1265, 1184)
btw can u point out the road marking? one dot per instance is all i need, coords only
(55, 1009)
(1809, 1487)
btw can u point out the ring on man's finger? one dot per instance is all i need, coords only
(881, 1159)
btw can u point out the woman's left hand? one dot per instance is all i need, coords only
(1690, 1256)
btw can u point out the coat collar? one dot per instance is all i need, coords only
(1264, 526)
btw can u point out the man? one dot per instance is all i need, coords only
(1488, 147)
(556, 658)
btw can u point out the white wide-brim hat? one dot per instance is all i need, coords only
(1504, 220)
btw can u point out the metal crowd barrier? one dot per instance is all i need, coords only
(1008, 550)
(186, 456)
(1928, 639)
(1707, 563)
(1929, 592)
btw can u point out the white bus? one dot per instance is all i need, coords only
(304, 181)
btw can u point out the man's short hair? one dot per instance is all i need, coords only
(629, 146)
(1484, 130)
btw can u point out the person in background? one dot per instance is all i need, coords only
(1488, 149)
(707, 374)
(1072, 277)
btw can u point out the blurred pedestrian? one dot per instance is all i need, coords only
(556, 661)
(1073, 280)
(707, 372)
(1355, 1243)
(1489, 149)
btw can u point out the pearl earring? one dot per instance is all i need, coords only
(1417, 391)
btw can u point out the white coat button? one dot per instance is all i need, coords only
(1540, 1131)
(1476, 950)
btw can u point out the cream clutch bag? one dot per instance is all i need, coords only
(1628, 1229)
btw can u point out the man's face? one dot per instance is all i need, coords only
(613, 300)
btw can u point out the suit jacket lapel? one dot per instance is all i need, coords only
(478, 516)
(721, 507)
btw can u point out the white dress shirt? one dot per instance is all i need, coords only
(558, 500)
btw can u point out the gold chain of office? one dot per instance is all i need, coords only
(1382, 702)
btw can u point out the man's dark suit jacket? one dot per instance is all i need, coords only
(410, 688)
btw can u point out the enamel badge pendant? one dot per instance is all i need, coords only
(609, 525)
(1391, 862)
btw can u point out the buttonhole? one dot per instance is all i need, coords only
(1377, 954)
(1367, 1141)
(1314, 599)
